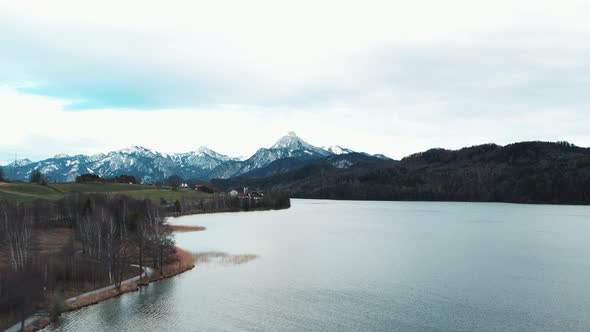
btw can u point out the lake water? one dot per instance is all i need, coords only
(352, 266)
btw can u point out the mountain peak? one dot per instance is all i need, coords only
(290, 141)
(132, 148)
(206, 150)
(135, 149)
(20, 162)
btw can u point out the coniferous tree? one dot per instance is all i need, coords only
(36, 176)
(174, 180)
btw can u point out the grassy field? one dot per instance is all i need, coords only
(28, 192)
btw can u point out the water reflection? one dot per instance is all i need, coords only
(217, 257)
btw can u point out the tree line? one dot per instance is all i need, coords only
(221, 202)
(107, 235)
(527, 172)
(102, 239)
(95, 178)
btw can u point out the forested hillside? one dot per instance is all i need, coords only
(527, 172)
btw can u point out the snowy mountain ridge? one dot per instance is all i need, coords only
(150, 165)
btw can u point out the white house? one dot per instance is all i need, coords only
(233, 193)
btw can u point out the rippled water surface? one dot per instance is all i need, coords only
(350, 266)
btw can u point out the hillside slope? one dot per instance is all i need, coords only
(527, 172)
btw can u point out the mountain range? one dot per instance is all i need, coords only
(290, 152)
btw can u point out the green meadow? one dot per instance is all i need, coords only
(28, 192)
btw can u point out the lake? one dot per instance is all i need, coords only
(350, 266)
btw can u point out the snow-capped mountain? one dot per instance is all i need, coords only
(144, 163)
(288, 153)
(203, 158)
(227, 170)
(19, 163)
(337, 149)
(292, 144)
(288, 146)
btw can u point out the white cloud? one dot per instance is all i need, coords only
(392, 77)
(37, 127)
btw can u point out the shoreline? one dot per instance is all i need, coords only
(201, 212)
(435, 201)
(186, 262)
(185, 229)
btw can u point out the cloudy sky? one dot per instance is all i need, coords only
(392, 77)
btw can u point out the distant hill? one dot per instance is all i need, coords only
(340, 161)
(527, 172)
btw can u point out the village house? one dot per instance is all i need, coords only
(233, 193)
(246, 194)
(256, 195)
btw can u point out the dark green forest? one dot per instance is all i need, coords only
(526, 172)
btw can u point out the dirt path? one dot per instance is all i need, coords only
(33, 318)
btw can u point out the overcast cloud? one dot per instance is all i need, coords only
(382, 77)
